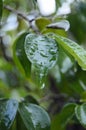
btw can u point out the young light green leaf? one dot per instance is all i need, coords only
(34, 117)
(19, 55)
(41, 23)
(80, 112)
(63, 24)
(8, 110)
(73, 49)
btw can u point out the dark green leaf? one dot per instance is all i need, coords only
(61, 120)
(8, 110)
(42, 52)
(78, 17)
(67, 113)
(73, 49)
(1, 8)
(19, 55)
(34, 117)
(30, 99)
(19, 123)
(80, 112)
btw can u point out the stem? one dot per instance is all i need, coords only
(19, 14)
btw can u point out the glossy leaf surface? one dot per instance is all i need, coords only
(8, 110)
(63, 118)
(43, 23)
(80, 112)
(73, 49)
(34, 117)
(19, 55)
(42, 52)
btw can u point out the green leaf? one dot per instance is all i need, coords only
(61, 120)
(42, 52)
(63, 24)
(42, 23)
(67, 113)
(1, 8)
(30, 99)
(20, 57)
(8, 110)
(73, 49)
(34, 117)
(78, 17)
(19, 123)
(80, 112)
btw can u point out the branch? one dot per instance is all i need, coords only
(19, 14)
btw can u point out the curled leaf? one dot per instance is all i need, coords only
(34, 117)
(64, 24)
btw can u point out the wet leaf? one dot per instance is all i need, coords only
(64, 117)
(19, 54)
(8, 110)
(73, 49)
(19, 123)
(80, 112)
(42, 52)
(34, 117)
(64, 24)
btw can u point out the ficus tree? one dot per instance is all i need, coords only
(42, 65)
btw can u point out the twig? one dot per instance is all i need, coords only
(22, 16)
